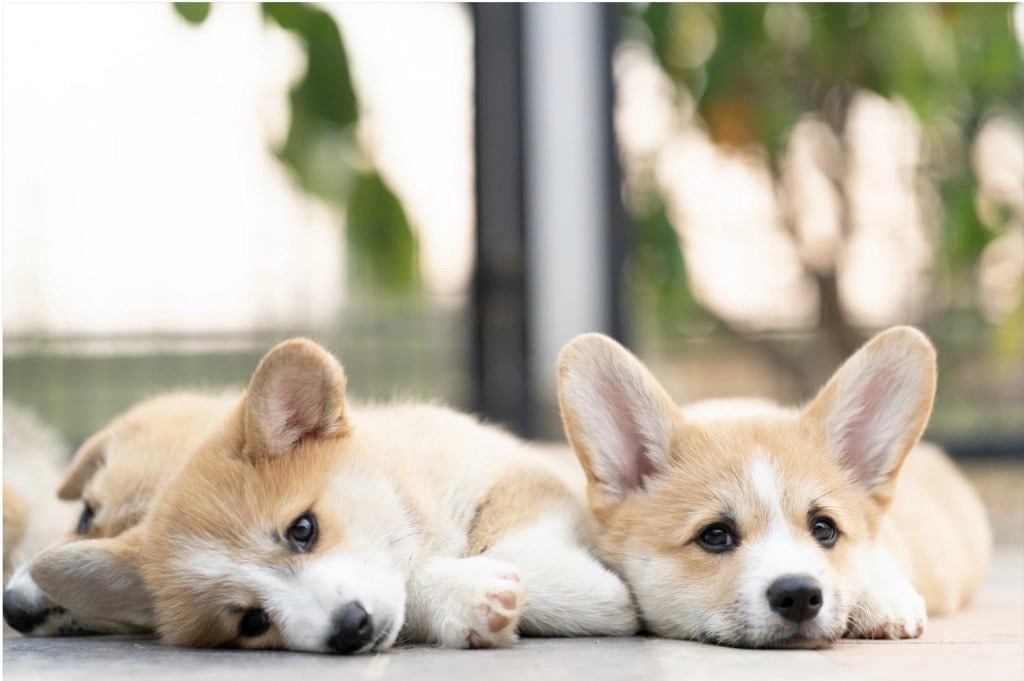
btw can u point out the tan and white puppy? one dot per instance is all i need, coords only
(115, 474)
(748, 524)
(306, 524)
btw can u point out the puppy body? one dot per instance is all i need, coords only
(305, 524)
(938, 530)
(748, 524)
(114, 475)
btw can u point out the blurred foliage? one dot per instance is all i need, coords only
(379, 236)
(322, 150)
(754, 70)
(657, 267)
(193, 12)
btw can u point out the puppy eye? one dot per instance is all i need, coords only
(253, 623)
(85, 520)
(717, 538)
(302, 533)
(824, 530)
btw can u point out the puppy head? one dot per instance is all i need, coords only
(116, 473)
(744, 529)
(271, 536)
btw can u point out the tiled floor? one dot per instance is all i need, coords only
(983, 643)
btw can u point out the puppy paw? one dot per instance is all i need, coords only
(890, 613)
(485, 603)
(497, 616)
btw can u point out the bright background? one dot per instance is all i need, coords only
(796, 177)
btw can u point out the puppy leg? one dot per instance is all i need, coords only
(889, 605)
(570, 592)
(471, 602)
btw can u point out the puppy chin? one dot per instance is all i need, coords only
(805, 637)
(802, 642)
(783, 637)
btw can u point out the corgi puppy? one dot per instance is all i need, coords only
(752, 525)
(115, 475)
(305, 524)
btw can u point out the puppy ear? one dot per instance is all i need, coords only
(297, 392)
(87, 460)
(98, 580)
(619, 420)
(876, 406)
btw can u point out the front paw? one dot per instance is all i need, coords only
(485, 606)
(497, 614)
(900, 613)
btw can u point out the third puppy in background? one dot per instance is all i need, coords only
(114, 475)
(754, 525)
(34, 460)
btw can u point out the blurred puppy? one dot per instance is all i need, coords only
(754, 525)
(34, 459)
(115, 473)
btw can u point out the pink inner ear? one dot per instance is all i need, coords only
(303, 401)
(867, 439)
(629, 447)
(641, 469)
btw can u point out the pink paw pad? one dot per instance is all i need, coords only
(506, 598)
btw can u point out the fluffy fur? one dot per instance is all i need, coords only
(717, 514)
(114, 475)
(34, 456)
(429, 527)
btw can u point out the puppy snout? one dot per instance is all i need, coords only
(18, 615)
(353, 629)
(795, 597)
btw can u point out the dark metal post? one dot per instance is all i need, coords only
(501, 382)
(618, 232)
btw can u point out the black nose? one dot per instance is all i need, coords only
(353, 629)
(17, 615)
(795, 597)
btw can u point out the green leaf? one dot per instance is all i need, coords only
(324, 103)
(322, 152)
(194, 13)
(326, 90)
(964, 234)
(382, 247)
(656, 271)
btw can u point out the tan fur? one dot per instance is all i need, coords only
(602, 501)
(515, 502)
(420, 497)
(938, 525)
(928, 517)
(216, 494)
(690, 494)
(116, 473)
(119, 469)
(884, 343)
